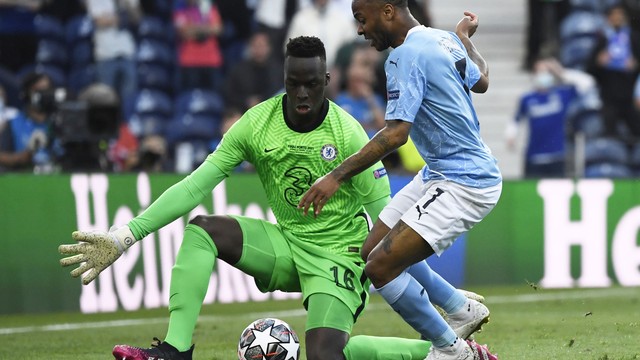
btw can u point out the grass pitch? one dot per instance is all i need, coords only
(526, 323)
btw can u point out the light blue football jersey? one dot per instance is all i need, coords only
(428, 82)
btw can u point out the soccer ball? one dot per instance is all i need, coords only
(268, 339)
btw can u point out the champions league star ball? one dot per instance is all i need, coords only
(268, 339)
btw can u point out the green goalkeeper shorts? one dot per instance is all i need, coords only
(279, 261)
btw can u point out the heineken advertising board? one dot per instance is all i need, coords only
(556, 233)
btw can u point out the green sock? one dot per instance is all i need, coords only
(189, 281)
(385, 348)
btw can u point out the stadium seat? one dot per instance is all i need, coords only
(154, 28)
(79, 28)
(80, 77)
(576, 52)
(607, 170)
(199, 102)
(48, 27)
(153, 102)
(581, 23)
(155, 52)
(588, 122)
(606, 150)
(52, 53)
(157, 77)
(142, 125)
(81, 53)
(190, 127)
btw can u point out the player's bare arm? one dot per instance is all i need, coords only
(391, 137)
(465, 29)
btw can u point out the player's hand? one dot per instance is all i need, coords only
(96, 251)
(468, 25)
(318, 194)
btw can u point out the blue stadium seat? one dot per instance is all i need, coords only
(199, 102)
(588, 122)
(581, 23)
(155, 52)
(606, 150)
(576, 52)
(153, 102)
(157, 77)
(79, 28)
(48, 27)
(80, 77)
(190, 127)
(52, 53)
(142, 125)
(81, 53)
(154, 28)
(607, 170)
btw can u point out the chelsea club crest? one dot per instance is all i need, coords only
(329, 152)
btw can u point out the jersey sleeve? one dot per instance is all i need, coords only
(405, 86)
(233, 148)
(373, 183)
(177, 200)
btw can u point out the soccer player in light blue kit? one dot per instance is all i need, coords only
(430, 74)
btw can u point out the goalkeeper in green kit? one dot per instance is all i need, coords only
(291, 139)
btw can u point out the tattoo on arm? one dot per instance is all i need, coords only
(376, 149)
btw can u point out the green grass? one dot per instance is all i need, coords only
(601, 324)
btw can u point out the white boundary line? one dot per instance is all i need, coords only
(505, 299)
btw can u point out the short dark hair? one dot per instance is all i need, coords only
(306, 47)
(29, 80)
(396, 3)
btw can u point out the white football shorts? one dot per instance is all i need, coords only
(440, 210)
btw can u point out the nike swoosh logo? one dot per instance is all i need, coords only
(269, 150)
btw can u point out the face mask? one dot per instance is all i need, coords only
(543, 80)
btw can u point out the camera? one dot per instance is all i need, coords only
(93, 117)
(84, 127)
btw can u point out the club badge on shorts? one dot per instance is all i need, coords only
(329, 152)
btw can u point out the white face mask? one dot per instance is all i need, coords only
(543, 80)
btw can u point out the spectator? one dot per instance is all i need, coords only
(199, 56)
(18, 40)
(324, 20)
(273, 17)
(24, 139)
(359, 98)
(615, 67)
(258, 77)
(546, 109)
(114, 44)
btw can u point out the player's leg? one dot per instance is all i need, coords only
(205, 239)
(430, 226)
(441, 292)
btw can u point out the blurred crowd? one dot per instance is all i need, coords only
(152, 85)
(583, 109)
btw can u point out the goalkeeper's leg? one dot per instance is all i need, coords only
(385, 348)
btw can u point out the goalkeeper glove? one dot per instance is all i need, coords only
(96, 251)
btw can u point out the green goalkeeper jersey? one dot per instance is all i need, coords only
(288, 163)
